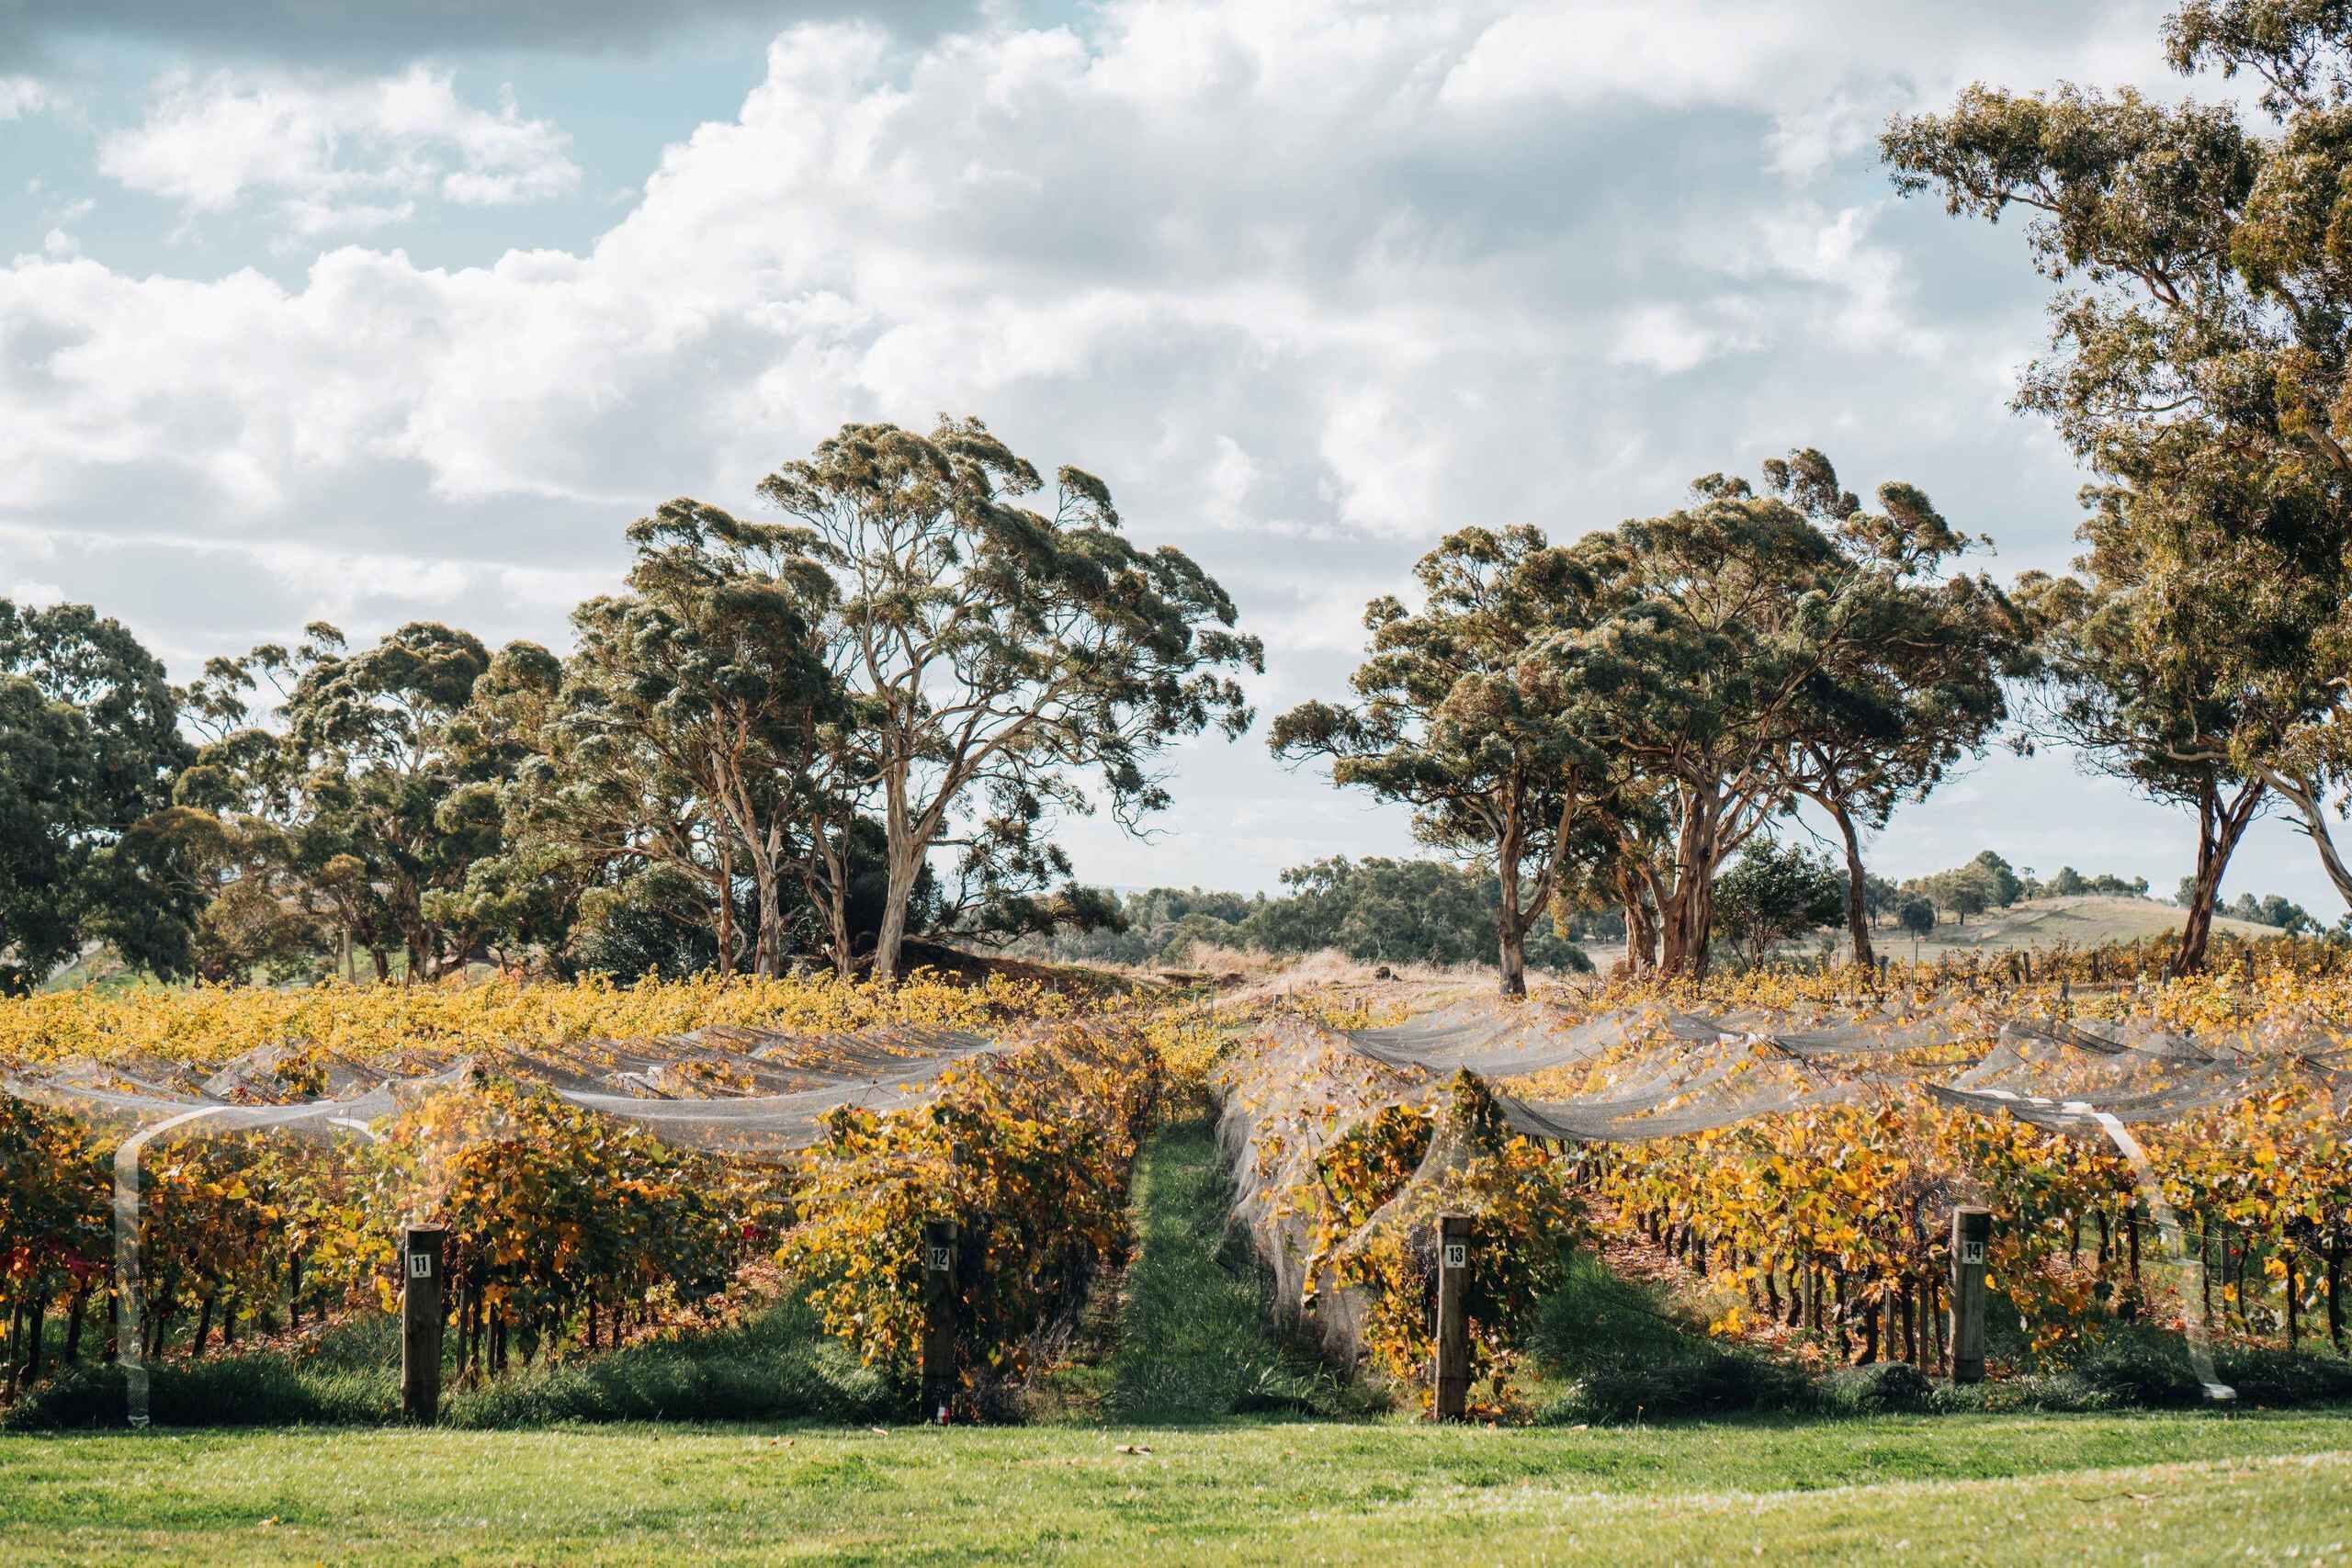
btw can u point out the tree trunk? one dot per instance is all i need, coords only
(906, 864)
(1511, 922)
(1857, 923)
(1691, 906)
(1641, 925)
(768, 953)
(837, 902)
(2310, 805)
(2220, 825)
(726, 908)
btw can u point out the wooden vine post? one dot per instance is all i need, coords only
(1452, 1373)
(421, 1254)
(939, 1319)
(1971, 1231)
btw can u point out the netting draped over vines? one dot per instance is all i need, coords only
(736, 1090)
(171, 1198)
(1811, 1154)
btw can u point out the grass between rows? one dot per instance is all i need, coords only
(1195, 1324)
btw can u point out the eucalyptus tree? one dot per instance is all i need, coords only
(2199, 363)
(599, 807)
(1914, 684)
(1496, 750)
(366, 770)
(527, 898)
(1791, 632)
(994, 657)
(2155, 678)
(694, 724)
(89, 745)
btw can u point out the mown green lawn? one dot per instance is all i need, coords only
(2113, 1488)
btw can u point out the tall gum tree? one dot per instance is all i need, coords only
(2199, 363)
(2173, 659)
(1457, 717)
(1791, 634)
(710, 676)
(1917, 688)
(996, 658)
(89, 746)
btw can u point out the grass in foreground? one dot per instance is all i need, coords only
(1948, 1488)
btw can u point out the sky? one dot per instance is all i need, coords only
(379, 312)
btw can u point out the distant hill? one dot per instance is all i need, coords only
(2084, 921)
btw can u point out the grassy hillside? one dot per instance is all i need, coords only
(2084, 921)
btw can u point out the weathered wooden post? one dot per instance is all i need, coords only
(421, 1254)
(939, 1319)
(1971, 1230)
(1452, 1373)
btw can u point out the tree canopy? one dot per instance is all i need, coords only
(2198, 365)
(1633, 708)
(90, 747)
(997, 658)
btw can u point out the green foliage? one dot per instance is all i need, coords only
(1984, 883)
(1391, 911)
(2198, 367)
(1774, 892)
(362, 803)
(1375, 911)
(778, 1365)
(1497, 753)
(89, 745)
(996, 658)
(2270, 910)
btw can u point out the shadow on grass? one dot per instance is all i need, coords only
(1620, 1351)
(777, 1366)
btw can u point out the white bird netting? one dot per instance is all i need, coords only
(1634, 1075)
(729, 1091)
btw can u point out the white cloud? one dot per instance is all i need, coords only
(1666, 338)
(21, 95)
(1296, 229)
(334, 155)
(1307, 284)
